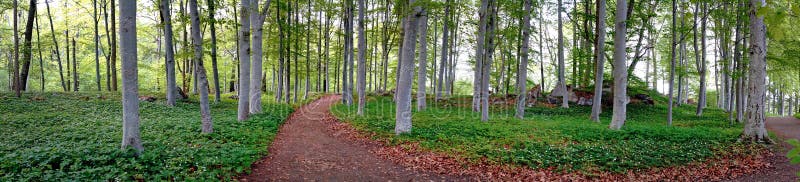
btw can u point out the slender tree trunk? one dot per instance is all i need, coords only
(445, 40)
(75, 78)
(39, 49)
(16, 84)
(96, 40)
(215, 71)
(620, 70)
(257, 19)
(422, 75)
(130, 78)
(113, 46)
(55, 43)
(522, 70)
(701, 66)
(403, 109)
(672, 62)
(27, 48)
(479, 56)
(197, 42)
(754, 128)
(244, 60)
(562, 83)
(362, 51)
(599, 52)
(487, 61)
(166, 18)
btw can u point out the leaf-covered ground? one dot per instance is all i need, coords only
(559, 139)
(65, 136)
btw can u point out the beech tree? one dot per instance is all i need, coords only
(754, 127)
(169, 53)
(522, 70)
(197, 42)
(244, 60)
(362, 51)
(403, 94)
(599, 52)
(130, 77)
(620, 69)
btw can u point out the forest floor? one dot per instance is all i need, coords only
(310, 147)
(788, 128)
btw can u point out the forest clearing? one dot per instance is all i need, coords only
(399, 90)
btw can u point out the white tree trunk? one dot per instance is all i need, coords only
(562, 82)
(620, 69)
(422, 74)
(197, 42)
(522, 70)
(479, 51)
(672, 63)
(445, 49)
(754, 127)
(257, 22)
(130, 77)
(244, 60)
(487, 61)
(169, 56)
(599, 52)
(362, 51)
(403, 109)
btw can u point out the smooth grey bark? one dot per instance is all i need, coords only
(487, 61)
(561, 89)
(27, 52)
(522, 70)
(244, 61)
(39, 49)
(754, 127)
(599, 53)
(403, 109)
(701, 63)
(197, 42)
(672, 62)
(362, 51)
(257, 19)
(215, 71)
(55, 43)
(96, 39)
(130, 77)
(422, 74)
(479, 57)
(740, 79)
(169, 54)
(347, 91)
(620, 69)
(445, 50)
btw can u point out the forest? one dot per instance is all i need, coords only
(379, 90)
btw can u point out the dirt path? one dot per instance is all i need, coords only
(306, 150)
(786, 127)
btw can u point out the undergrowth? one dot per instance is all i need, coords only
(556, 138)
(76, 137)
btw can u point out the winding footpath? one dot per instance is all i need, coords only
(306, 150)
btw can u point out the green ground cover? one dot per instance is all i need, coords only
(66, 136)
(560, 139)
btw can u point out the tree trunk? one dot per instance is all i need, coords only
(55, 43)
(403, 109)
(27, 48)
(487, 61)
(197, 42)
(362, 51)
(96, 39)
(620, 70)
(599, 52)
(422, 75)
(701, 66)
(479, 56)
(39, 49)
(257, 21)
(166, 19)
(113, 46)
(522, 70)
(562, 83)
(215, 71)
(244, 60)
(16, 84)
(347, 93)
(672, 62)
(754, 128)
(75, 77)
(445, 40)
(130, 78)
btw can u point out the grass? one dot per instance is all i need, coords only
(76, 137)
(559, 139)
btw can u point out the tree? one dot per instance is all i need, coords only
(96, 19)
(55, 43)
(114, 46)
(479, 51)
(244, 60)
(27, 47)
(599, 52)
(620, 69)
(522, 70)
(362, 51)
(257, 18)
(403, 109)
(487, 61)
(701, 60)
(672, 61)
(212, 23)
(169, 53)
(130, 77)
(754, 127)
(197, 42)
(16, 84)
(561, 87)
(422, 74)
